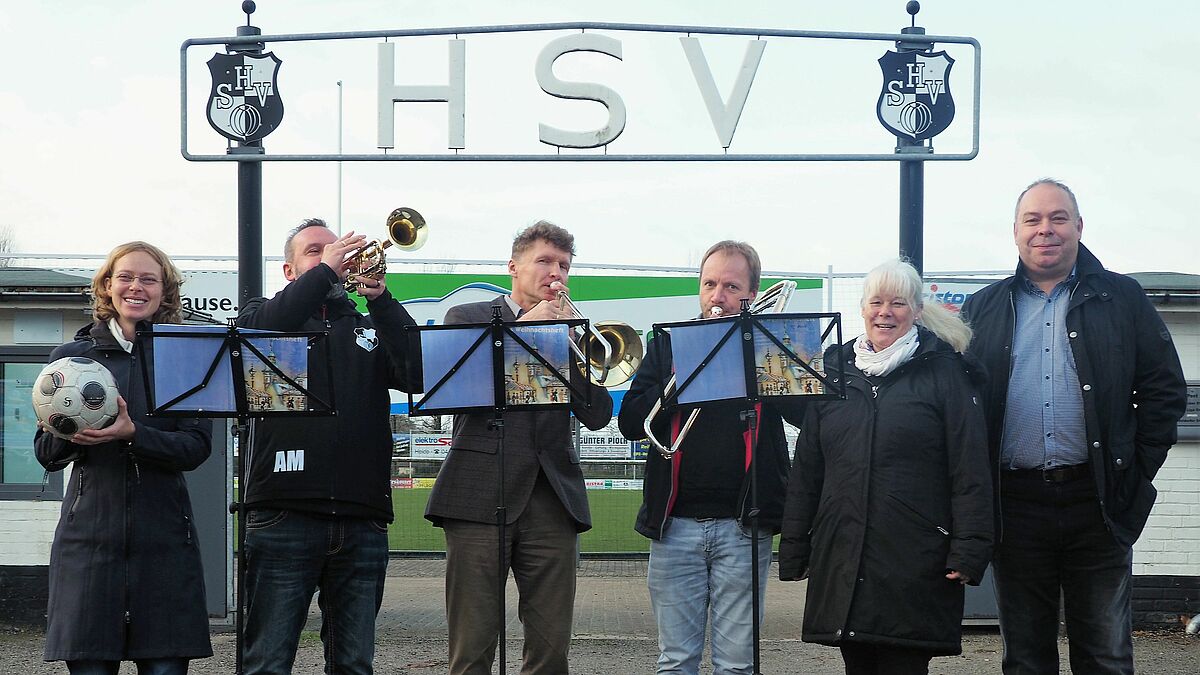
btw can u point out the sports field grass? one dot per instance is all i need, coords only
(613, 513)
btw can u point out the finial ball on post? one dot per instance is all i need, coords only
(248, 6)
(912, 7)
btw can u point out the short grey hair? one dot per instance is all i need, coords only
(1046, 181)
(543, 230)
(746, 250)
(304, 225)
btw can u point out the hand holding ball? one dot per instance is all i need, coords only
(72, 394)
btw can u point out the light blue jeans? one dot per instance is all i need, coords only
(701, 567)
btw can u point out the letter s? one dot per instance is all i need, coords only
(588, 91)
(894, 96)
(224, 100)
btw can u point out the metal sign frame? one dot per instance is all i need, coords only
(385, 156)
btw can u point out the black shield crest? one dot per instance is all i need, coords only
(244, 103)
(915, 101)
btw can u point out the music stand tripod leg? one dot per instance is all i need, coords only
(751, 417)
(502, 548)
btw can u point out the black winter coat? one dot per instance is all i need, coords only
(718, 425)
(347, 458)
(890, 490)
(1133, 387)
(125, 575)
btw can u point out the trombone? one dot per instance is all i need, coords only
(618, 343)
(405, 228)
(771, 301)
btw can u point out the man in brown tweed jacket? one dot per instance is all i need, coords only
(546, 503)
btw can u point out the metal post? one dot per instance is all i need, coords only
(250, 255)
(250, 275)
(250, 281)
(912, 206)
(912, 171)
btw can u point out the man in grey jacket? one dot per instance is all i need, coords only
(545, 500)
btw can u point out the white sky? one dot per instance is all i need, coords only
(1102, 95)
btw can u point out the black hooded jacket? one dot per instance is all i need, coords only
(346, 466)
(891, 490)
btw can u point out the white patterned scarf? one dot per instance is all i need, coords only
(883, 362)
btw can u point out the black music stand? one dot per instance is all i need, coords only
(227, 372)
(765, 362)
(524, 366)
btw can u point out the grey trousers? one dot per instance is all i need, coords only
(541, 553)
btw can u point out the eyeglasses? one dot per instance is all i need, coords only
(145, 280)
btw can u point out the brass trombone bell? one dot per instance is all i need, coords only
(405, 228)
(616, 348)
(624, 356)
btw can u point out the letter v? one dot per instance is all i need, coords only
(263, 89)
(724, 115)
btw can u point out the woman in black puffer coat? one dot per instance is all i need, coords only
(889, 505)
(125, 575)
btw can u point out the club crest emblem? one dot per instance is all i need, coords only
(244, 103)
(365, 338)
(915, 101)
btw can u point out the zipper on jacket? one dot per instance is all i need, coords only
(78, 494)
(1012, 339)
(918, 514)
(187, 525)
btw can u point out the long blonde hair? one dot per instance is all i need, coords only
(899, 277)
(171, 305)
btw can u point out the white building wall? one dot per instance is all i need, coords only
(1170, 544)
(26, 531)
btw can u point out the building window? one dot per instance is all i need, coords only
(21, 477)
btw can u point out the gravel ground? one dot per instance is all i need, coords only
(1156, 653)
(614, 633)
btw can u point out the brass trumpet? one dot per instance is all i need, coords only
(405, 228)
(772, 300)
(615, 347)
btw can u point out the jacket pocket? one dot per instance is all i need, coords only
(919, 517)
(476, 443)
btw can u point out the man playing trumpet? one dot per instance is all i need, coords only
(319, 520)
(695, 505)
(546, 503)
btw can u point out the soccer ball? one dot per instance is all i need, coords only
(74, 393)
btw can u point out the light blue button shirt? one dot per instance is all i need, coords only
(1043, 419)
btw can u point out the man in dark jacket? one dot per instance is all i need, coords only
(318, 490)
(695, 506)
(1084, 396)
(544, 497)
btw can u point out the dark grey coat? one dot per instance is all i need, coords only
(1133, 387)
(890, 490)
(467, 484)
(125, 575)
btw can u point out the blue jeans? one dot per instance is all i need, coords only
(289, 555)
(1054, 541)
(144, 667)
(701, 567)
